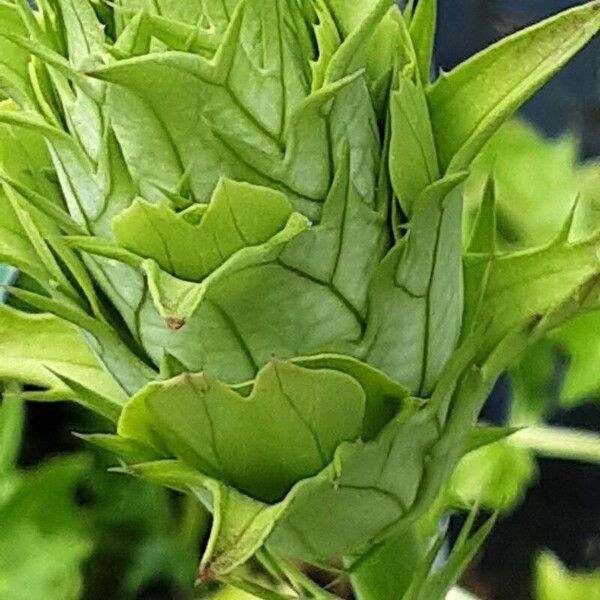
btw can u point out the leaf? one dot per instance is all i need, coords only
(199, 419)
(328, 41)
(555, 582)
(413, 156)
(13, 60)
(483, 236)
(127, 370)
(439, 583)
(232, 134)
(580, 339)
(227, 106)
(532, 382)
(350, 58)
(239, 215)
(84, 34)
(505, 291)
(202, 15)
(177, 300)
(212, 325)
(422, 32)
(127, 449)
(385, 398)
(240, 524)
(327, 517)
(483, 435)
(417, 293)
(495, 476)
(32, 346)
(472, 101)
(535, 184)
(387, 571)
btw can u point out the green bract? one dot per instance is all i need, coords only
(241, 220)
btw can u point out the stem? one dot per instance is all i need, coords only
(254, 589)
(559, 442)
(12, 418)
(302, 581)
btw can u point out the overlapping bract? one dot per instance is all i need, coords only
(244, 218)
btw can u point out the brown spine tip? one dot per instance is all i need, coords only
(175, 324)
(204, 576)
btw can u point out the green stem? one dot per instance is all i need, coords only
(254, 589)
(559, 442)
(301, 581)
(12, 416)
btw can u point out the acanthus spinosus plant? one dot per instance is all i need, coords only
(238, 225)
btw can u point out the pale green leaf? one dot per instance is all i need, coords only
(201, 420)
(413, 156)
(239, 215)
(506, 291)
(555, 582)
(535, 184)
(495, 476)
(422, 32)
(469, 103)
(33, 346)
(417, 293)
(581, 340)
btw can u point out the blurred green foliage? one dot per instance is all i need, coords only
(555, 582)
(43, 534)
(70, 529)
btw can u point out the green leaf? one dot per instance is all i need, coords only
(483, 237)
(327, 517)
(438, 584)
(384, 397)
(417, 293)
(199, 419)
(32, 347)
(239, 215)
(580, 338)
(230, 93)
(14, 82)
(535, 184)
(532, 380)
(555, 582)
(422, 32)
(413, 156)
(240, 524)
(387, 571)
(472, 101)
(495, 476)
(505, 291)
(84, 34)
(328, 41)
(125, 448)
(128, 371)
(483, 435)
(328, 265)
(177, 300)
